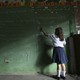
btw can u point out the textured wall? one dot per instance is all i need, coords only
(23, 49)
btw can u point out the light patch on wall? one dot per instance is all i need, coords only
(50, 69)
(78, 29)
(51, 26)
(6, 60)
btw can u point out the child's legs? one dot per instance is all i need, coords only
(58, 70)
(59, 66)
(63, 69)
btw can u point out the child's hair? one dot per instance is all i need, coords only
(59, 33)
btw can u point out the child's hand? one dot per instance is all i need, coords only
(40, 28)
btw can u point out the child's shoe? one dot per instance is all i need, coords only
(58, 78)
(63, 77)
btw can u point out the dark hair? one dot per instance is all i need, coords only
(59, 33)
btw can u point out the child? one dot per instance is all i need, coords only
(59, 56)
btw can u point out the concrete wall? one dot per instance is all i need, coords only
(23, 49)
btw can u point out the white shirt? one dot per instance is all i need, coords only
(56, 41)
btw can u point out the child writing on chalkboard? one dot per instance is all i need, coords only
(59, 55)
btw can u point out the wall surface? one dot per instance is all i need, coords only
(23, 49)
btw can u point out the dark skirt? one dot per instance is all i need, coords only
(59, 55)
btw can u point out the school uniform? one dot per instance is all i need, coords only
(59, 55)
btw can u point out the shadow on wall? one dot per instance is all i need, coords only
(43, 58)
(13, 34)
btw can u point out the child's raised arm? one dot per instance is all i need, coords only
(43, 31)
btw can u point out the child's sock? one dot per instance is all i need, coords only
(63, 73)
(58, 73)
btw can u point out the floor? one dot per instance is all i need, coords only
(34, 77)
